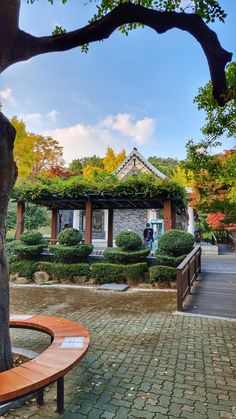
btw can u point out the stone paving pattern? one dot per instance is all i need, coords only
(142, 363)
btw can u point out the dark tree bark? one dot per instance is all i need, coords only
(8, 173)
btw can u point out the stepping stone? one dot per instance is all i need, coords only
(114, 287)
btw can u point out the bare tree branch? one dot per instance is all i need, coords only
(27, 46)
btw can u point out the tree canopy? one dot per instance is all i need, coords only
(34, 154)
(219, 120)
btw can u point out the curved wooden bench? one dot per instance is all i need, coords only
(70, 342)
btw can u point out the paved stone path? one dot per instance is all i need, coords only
(143, 363)
(215, 291)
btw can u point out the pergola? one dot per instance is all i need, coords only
(171, 203)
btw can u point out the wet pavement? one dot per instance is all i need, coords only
(143, 361)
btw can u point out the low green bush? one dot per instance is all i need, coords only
(128, 240)
(70, 237)
(117, 255)
(72, 254)
(58, 271)
(136, 270)
(169, 260)
(108, 272)
(24, 251)
(175, 243)
(32, 238)
(24, 268)
(159, 273)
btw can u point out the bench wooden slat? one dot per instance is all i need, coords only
(50, 365)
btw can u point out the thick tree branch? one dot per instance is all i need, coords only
(27, 46)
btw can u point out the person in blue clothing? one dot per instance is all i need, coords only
(148, 235)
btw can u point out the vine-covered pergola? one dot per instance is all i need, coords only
(107, 192)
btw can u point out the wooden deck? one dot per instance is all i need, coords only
(214, 293)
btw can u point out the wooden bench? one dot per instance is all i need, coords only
(69, 343)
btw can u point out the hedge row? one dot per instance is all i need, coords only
(116, 255)
(161, 273)
(101, 272)
(59, 271)
(108, 272)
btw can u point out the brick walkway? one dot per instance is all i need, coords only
(142, 363)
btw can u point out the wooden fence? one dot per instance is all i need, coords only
(187, 273)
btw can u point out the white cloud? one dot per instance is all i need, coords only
(6, 95)
(120, 131)
(34, 117)
(141, 131)
(53, 114)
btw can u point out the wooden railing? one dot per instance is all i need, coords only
(187, 273)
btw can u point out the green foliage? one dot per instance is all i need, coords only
(108, 272)
(58, 271)
(219, 120)
(70, 237)
(24, 268)
(128, 240)
(72, 254)
(165, 165)
(209, 10)
(32, 238)
(159, 273)
(138, 187)
(169, 260)
(175, 243)
(25, 251)
(78, 164)
(116, 255)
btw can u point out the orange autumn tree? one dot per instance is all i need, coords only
(218, 221)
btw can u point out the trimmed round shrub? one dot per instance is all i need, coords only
(69, 237)
(72, 254)
(175, 243)
(32, 237)
(128, 240)
(24, 251)
(116, 255)
(159, 273)
(169, 260)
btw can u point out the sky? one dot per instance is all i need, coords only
(134, 91)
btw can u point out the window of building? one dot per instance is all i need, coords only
(97, 220)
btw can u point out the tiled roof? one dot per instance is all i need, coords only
(149, 166)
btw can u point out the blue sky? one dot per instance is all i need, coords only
(134, 91)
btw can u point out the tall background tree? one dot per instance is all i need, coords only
(17, 45)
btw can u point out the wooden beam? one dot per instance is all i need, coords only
(20, 210)
(173, 217)
(54, 226)
(88, 222)
(110, 228)
(167, 215)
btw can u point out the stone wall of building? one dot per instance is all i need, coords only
(130, 219)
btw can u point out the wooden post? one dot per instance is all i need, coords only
(54, 226)
(173, 217)
(167, 215)
(19, 219)
(88, 222)
(110, 228)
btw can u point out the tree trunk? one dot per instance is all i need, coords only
(8, 174)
